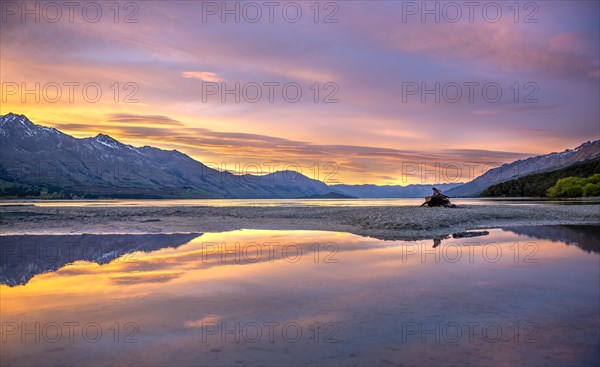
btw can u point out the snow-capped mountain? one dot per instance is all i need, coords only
(45, 157)
(523, 167)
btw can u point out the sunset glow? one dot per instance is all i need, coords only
(152, 65)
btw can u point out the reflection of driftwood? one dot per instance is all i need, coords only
(470, 234)
(438, 241)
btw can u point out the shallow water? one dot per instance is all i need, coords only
(292, 202)
(518, 296)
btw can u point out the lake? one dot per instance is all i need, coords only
(524, 296)
(295, 202)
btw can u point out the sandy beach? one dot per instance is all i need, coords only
(388, 223)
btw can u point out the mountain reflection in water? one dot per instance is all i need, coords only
(23, 257)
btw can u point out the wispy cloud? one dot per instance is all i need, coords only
(202, 75)
(128, 118)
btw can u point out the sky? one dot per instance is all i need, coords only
(381, 92)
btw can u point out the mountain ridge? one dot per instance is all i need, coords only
(537, 164)
(102, 166)
(537, 184)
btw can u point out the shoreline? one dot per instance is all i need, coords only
(381, 222)
(501, 199)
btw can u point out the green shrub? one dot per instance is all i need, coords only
(591, 189)
(594, 179)
(571, 187)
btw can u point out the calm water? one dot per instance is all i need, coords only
(293, 202)
(524, 296)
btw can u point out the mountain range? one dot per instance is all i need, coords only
(37, 156)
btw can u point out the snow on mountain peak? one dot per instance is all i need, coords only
(12, 120)
(107, 141)
(113, 143)
(13, 117)
(21, 124)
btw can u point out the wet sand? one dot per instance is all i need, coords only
(389, 223)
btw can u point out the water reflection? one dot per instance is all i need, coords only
(23, 257)
(306, 297)
(586, 237)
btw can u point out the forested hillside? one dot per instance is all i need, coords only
(537, 185)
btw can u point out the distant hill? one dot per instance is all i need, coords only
(329, 195)
(536, 185)
(390, 191)
(524, 167)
